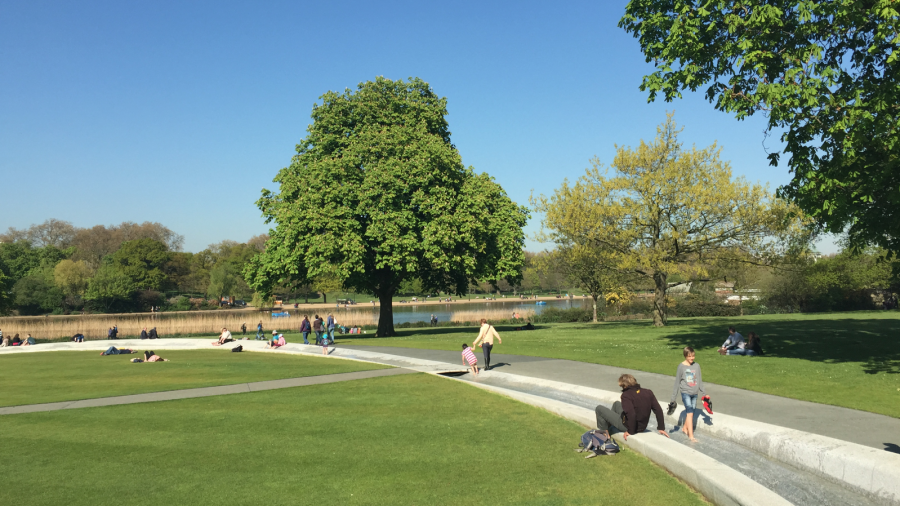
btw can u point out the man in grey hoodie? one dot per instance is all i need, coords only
(688, 381)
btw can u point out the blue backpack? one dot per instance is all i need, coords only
(595, 442)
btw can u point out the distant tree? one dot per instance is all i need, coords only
(72, 278)
(36, 294)
(92, 244)
(53, 232)
(258, 242)
(668, 211)
(110, 289)
(824, 73)
(221, 281)
(142, 261)
(377, 194)
(591, 267)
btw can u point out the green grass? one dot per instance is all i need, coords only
(844, 359)
(32, 378)
(415, 440)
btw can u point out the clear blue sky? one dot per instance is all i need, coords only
(181, 112)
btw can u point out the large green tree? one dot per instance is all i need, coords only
(143, 261)
(666, 211)
(825, 74)
(377, 194)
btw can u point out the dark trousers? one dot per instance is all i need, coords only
(607, 418)
(486, 348)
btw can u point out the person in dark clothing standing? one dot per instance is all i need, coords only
(305, 329)
(632, 414)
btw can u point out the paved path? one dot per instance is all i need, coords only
(860, 427)
(191, 393)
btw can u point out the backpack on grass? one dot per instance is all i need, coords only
(595, 442)
(237, 349)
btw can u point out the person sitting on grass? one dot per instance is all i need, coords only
(16, 341)
(470, 357)
(112, 350)
(527, 326)
(224, 337)
(735, 341)
(631, 415)
(78, 338)
(150, 356)
(277, 340)
(153, 334)
(29, 341)
(752, 348)
(5, 342)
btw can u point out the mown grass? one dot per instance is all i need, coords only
(844, 359)
(401, 440)
(52, 376)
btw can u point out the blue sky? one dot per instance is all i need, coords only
(181, 112)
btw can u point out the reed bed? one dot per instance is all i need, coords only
(167, 325)
(490, 314)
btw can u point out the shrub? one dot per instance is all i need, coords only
(690, 307)
(571, 315)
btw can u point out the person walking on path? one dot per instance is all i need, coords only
(244, 328)
(470, 359)
(631, 415)
(688, 381)
(305, 329)
(318, 328)
(330, 325)
(486, 337)
(259, 332)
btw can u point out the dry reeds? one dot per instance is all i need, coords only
(167, 325)
(490, 314)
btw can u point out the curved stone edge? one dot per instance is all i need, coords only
(717, 482)
(873, 472)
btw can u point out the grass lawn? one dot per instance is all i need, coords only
(843, 359)
(411, 439)
(32, 378)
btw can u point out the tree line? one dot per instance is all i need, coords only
(55, 267)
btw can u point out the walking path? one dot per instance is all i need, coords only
(191, 393)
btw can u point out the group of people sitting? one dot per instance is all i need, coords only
(735, 344)
(15, 341)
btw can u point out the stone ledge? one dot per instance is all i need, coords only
(717, 482)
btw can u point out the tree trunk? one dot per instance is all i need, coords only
(386, 316)
(324, 297)
(660, 317)
(594, 296)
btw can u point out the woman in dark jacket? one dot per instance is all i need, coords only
(632, 414)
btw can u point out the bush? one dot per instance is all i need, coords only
(691, 307)
(180, 303)
(643, 305)
(571, 315)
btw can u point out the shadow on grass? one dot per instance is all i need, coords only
(839, 339)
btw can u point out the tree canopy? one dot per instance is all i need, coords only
(377, 194)
(666, 210)
(825, 73)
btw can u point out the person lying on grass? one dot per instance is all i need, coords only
(150, 356)
(224, 337)
(112, 350)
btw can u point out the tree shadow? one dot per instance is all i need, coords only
(834, 340)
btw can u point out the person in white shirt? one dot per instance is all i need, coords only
(735, 341)
(486, 337)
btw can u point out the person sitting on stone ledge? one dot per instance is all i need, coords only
(632, 414)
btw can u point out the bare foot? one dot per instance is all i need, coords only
(694, 440)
